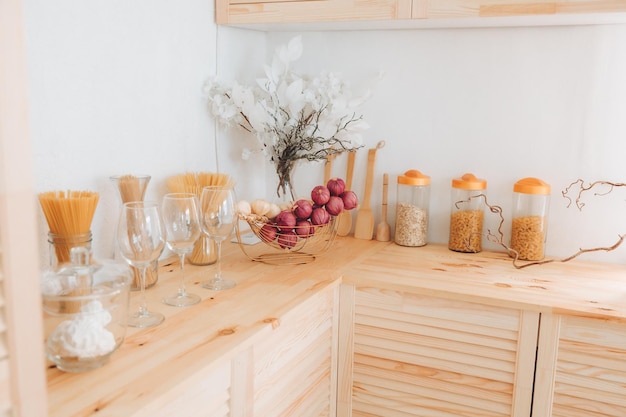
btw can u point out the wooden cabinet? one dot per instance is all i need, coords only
(415, 355)
(581, 368)
(286, 370)
(497, 8)
(294, 370)
(254, 11)
(264, 348)
(373, 329)
(436, 333)
(286, 11)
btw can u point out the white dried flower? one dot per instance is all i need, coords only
(293, 117)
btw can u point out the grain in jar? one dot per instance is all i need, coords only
(467, 214)
(529, 222)
(412, 209)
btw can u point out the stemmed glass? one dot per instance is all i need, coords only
(182, 229)
(141, 242)
(217, 206)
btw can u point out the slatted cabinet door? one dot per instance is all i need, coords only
(416, 355)
(581, 368)
(295, 367)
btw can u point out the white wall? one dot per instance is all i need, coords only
(111, 81)
(116, 88)
(502, 103)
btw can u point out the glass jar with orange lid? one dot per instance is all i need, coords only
(529, 220)
(467, 214)
(412, 209)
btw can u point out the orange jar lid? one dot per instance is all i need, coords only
(413, 177)
(531, 185)
(469, 182)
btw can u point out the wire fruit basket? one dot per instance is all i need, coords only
(302, 245)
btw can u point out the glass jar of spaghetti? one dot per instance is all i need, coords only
(467, 214)
(412, 209)
(529, 221)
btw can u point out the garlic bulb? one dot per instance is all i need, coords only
(243, 207)
(260, 207)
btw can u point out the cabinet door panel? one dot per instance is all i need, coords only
(424, 356)
(489, 8)
(584, 367)
(292, 367)
(255, 11)
(205, 395)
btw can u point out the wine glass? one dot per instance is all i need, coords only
(217, 206)
(182, 229)
(141, 242)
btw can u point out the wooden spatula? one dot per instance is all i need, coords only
(344, 220)
(383, 231)
(328, 168)
(364, 227)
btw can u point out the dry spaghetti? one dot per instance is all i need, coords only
(68, 214)
(204, 252)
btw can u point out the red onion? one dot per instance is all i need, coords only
(268, 232)
(334, 205)
(350, 200)
(287, 240)
(336, 186)
(320, 195)
(320, 216)
(302, 209)
(285, 220)
(304, 228)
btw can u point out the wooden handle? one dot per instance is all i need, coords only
(349, 174)
(385, 192)
(369, 179)
(328, 168)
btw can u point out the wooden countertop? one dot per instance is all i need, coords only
(195, 339)
(586, 289)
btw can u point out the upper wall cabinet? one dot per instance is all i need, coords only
(315, 11)
(290, 11)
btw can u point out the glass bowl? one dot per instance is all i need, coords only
(85, 313)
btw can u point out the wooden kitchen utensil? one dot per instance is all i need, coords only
(383, 229)
(344, 225)
(328, 168)
(364, 227)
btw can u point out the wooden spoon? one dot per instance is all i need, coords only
(344, 220)
(364, 227)
(383, 229)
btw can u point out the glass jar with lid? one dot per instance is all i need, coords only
(412, 209)
(85, 310)
(467, 214)
(529, 220)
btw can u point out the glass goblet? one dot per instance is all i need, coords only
(182, 228)
(217, 207)
(140, 240)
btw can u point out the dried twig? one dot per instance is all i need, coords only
(499, 238)
(588, 187)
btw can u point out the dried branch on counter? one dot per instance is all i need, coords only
(499, 237)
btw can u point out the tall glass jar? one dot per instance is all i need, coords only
(467, 214)
(529, 221)
(61, 247)
(413, 198)
(133, 188)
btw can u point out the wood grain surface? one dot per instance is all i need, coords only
(174, 360)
